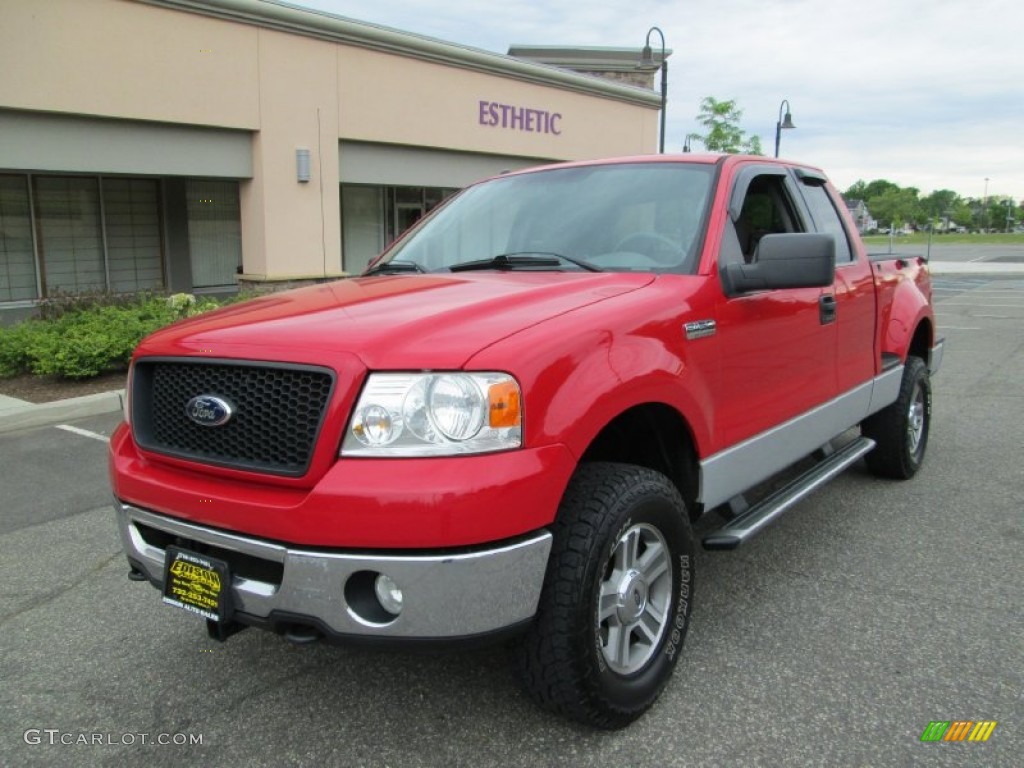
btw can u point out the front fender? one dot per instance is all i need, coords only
(582, 371)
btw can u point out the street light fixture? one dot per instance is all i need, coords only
(783, 123)
(648, 64)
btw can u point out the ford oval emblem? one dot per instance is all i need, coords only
(209, 410)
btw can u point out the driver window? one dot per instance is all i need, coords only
(766, 210)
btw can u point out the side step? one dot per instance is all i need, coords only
(757, 517)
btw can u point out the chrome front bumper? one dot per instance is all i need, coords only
(454, 595)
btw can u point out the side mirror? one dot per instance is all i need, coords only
(793, 260)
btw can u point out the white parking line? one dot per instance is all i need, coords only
(84, 432)
(979, 294)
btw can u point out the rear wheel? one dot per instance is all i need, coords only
(617, 596)
(901, 430)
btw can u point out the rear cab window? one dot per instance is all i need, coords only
(825, 214)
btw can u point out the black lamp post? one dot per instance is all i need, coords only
(648, 64)
(786, 123)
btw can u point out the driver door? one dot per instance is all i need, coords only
(778, 347)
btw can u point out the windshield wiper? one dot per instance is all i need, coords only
(394, 265)
(525, 260)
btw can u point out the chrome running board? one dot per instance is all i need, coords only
(753, 520)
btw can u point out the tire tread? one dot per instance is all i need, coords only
(890, 457)
(549, 659)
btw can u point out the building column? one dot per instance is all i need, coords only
(291, 229)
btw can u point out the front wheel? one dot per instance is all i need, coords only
(616, 600)
(901, 430)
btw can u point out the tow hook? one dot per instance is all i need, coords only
(222, 630)
(136, 575)
(300, 634)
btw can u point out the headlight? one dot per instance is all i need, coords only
(435, 414)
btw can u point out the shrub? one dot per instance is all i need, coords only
(80, 339)
(14, 345)
(56, 306)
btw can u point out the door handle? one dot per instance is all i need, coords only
(827, 309)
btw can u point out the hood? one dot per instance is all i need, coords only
(392, 321)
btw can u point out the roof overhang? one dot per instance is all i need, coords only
(593, 59)
(272, 14)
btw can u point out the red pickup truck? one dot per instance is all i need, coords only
(509, 423)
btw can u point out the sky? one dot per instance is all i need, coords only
(924, 93)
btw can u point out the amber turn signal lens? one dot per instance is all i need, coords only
(504, 407)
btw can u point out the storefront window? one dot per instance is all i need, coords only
(17, 257)
(93, 235)
(214, 232)
(132, 213)
(70, 233)
(372, 217)
(362, 222)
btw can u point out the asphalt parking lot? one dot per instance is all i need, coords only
(834, 638)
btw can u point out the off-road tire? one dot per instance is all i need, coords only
(901, 429)
(562, 665)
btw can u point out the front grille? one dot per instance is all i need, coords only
(278, 412)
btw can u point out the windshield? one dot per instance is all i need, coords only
(631, 216)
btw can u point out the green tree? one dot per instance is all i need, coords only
(963, 213)
(857, 191)
(896, 207)
(1003, 213)
(889, 203)
(992, 213)
(943, 208)
(721, 121)
(940, 203)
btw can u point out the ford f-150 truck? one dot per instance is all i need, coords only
(506, 427)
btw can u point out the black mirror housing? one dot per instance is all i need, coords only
(792, 260)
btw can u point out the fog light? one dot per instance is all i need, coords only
(389, 594)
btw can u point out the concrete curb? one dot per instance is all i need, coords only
(18, 414)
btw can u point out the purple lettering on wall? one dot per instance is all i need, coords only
(493, 114)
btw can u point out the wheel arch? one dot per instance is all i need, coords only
(922, 340)
(906, 323)
(653, 435)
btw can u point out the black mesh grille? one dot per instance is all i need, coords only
(277, 413)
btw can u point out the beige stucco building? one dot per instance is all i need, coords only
(190, 144)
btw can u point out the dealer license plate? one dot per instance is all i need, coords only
(197, 583)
